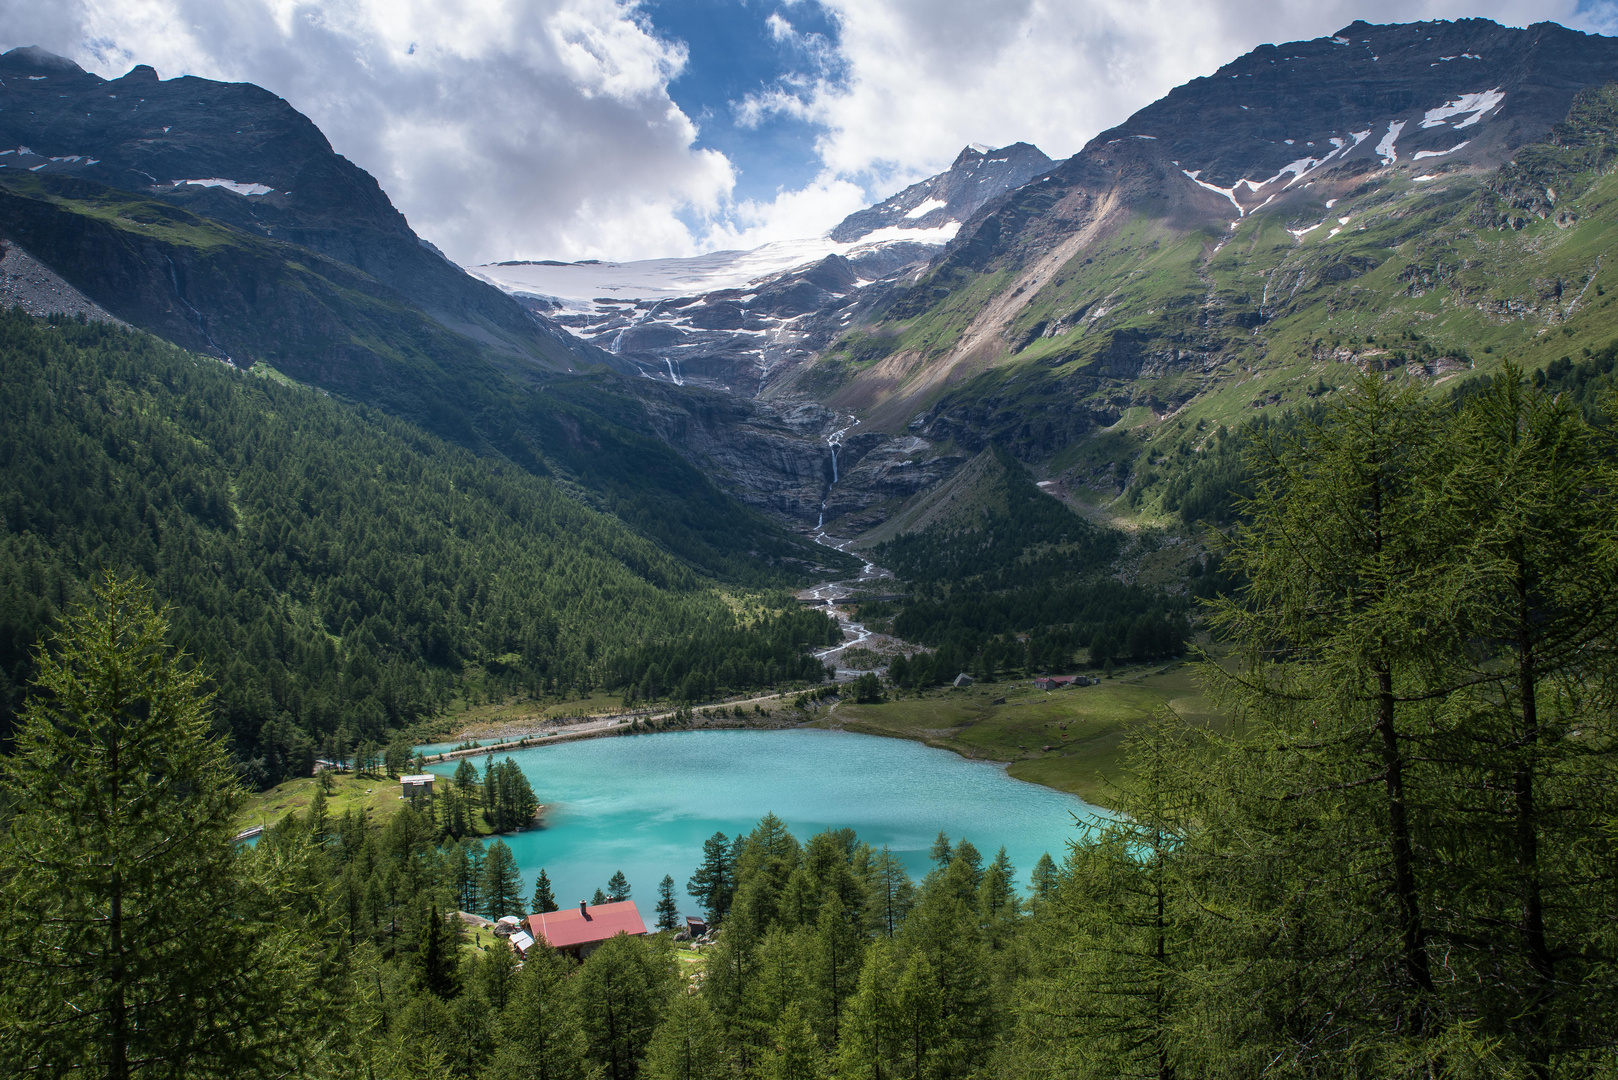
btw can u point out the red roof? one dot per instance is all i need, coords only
(569, 927)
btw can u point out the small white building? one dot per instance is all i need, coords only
(420, 783)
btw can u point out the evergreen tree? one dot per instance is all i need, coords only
(894, 892)
(544, 898)
(502, 882)
(794, 1053)
(618, 886)
(997, 894)
(1044, 877)
(668, 912)
(1539, 569)
(436, 963)
(598, 899)
(319, 818)
(131, 944)
(688, 1044)
(1345, 661)
(835, 955)
(941, 852)
(543, 1039)
(622, 992)
(714, 882)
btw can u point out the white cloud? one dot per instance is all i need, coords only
(544, 128)
(501, 128)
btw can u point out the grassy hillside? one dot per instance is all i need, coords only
(1116, 370)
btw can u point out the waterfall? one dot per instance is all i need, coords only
(673, 378)
(834, 463)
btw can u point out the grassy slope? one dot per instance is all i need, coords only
(1086, 752)
(1233, 323)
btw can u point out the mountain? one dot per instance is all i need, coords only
(217, 217)
(1433, 196)
(235, 154)
(742, 320)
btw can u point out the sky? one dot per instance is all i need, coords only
(630, 129)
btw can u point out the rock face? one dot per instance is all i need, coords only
(1314, 137)
(235, 153)
(977, 176)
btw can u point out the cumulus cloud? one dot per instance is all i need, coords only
(501, 128)
(545, 128)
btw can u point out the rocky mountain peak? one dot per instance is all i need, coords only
(31, 59)
(1463, 92)
(941, 203)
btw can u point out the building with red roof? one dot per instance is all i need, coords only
(580, 930)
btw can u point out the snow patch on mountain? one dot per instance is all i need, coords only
(239, 187)
(1473, 106)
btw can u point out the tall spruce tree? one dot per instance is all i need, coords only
(544, 896)
(714, 882)
(502, 882)
(130, 950)
(668, 911)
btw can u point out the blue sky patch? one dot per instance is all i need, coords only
(735, 52)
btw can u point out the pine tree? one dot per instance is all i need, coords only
(941, 852)
(621, 994)
(1539, 568)
(1044, 877)
(714, 882)
(319, 819)
(502, 882)
(1346, 656)
(598, 899)
(131, 945)
(997, 895)
(794, 1053)
(668, 912)
(688, 1044)
(834, 957)
(436, 962)
(618, 886)
(544, 898)
(544, 1038)
(895, 893)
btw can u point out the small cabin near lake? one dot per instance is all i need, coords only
(420, 784)
(580, 931)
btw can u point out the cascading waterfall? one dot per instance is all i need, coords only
(834, 440)
(673, 378)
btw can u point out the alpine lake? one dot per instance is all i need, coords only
(644, 804)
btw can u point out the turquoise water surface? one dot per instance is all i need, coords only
(644, 804)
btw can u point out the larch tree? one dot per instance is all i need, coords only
(130, 951)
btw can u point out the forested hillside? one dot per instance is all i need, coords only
(337, 572)
(1007, 578)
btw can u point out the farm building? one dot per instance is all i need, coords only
(578, 931)
(421, 783)
(962, 680)
(1056, 682)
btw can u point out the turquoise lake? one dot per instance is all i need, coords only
(644, 804)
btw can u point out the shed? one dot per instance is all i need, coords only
(1056, 682)
(521, 942)
(963, 679)
(579, 931)
(411, 785)
(695, 925)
